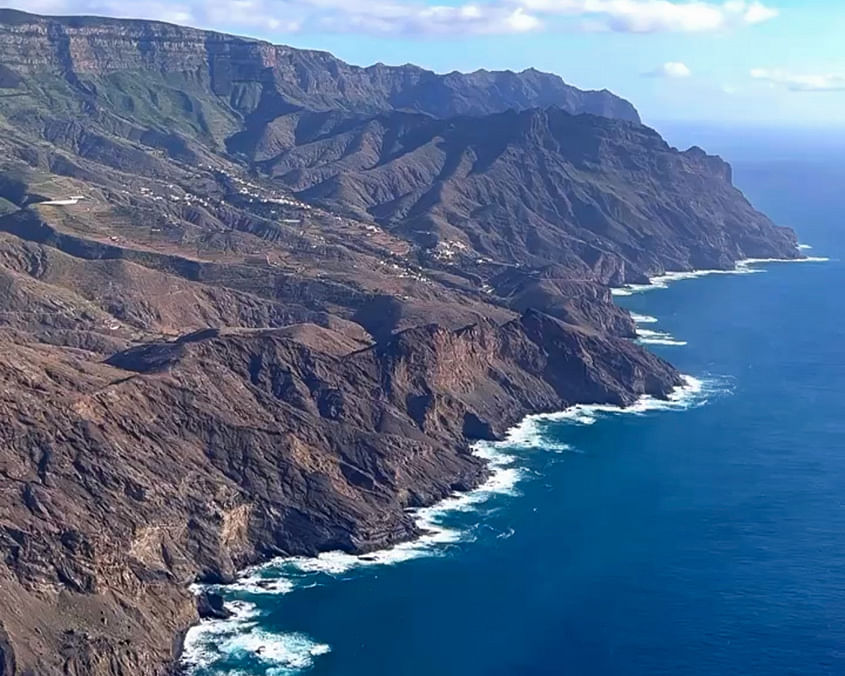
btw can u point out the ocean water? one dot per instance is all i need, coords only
(705, 535)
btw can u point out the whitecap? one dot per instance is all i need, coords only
(506, 535)
(213, 642)
(683, 397)
(648, 337)
(743, 267)
(199, 648)
(529, 434)
(256, 581)
(745, 264)
(281, 653)
(663, 281)
(668, 341)
(643, 319)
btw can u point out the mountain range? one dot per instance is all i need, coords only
(258, 302)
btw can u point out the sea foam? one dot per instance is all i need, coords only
(743, 267)
(643, 319)
(686, 396)
(647, 337)
(651, 337)
(807, 259)
(210, 645)
(663, 281)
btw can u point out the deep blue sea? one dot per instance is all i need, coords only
(704, 537)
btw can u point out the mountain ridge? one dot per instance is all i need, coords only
(297, 72)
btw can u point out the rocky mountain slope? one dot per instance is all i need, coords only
(610, 200)
(174, 461)
(257, 301)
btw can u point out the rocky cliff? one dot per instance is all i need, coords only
(261, 79)
(256, 301)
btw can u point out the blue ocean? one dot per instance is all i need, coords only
(702, 536)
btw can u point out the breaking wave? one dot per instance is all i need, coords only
(651, 337)
(239, 643)
(743, 267)
(647, 337)
(663, 281)
(643, 319)
(807, 259)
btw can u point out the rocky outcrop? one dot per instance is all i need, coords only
(210, 605)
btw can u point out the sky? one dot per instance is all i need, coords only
(755, 63)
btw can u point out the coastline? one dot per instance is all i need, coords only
(278, 576)
(212, 639)
(741, 267)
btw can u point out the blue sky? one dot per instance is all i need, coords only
(744, 62)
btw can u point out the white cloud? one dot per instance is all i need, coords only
(801, 82)
(415, 19)
(672, 70)
(379, 17)
(652, 16)
(420, 18)
(175, 12)
(758, 13)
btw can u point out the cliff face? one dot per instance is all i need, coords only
(259, 78)
(255, 301)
